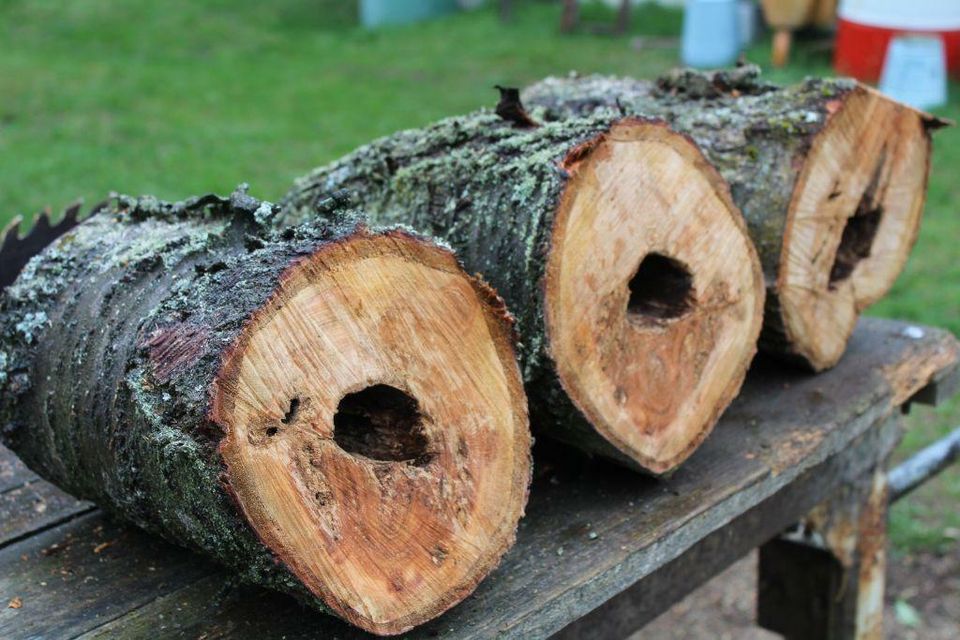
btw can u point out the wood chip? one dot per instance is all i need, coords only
(16, 603)
(103, 545)
(53, 549)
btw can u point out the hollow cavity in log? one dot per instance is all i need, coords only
(855, 243)
(660, 289)
(381, 422)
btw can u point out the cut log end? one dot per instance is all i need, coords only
(376, 431)
(654, 293)
(854, 217)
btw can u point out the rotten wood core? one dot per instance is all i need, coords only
(653, 293)
(830, 175)
(376, 433)
(332, 411)
(638, 293)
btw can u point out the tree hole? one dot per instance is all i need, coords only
(662, 288)
(382, 423)
(291, 413)
(856, 241)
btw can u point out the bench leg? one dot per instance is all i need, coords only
(825, 581)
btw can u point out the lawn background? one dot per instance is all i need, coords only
(184, 97)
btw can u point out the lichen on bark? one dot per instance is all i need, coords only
(754, 133)
(110, 341)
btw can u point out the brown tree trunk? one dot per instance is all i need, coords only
(637, 292)
(332, 411)
(570, 16)
(829, 174)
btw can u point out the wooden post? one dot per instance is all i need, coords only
(506, 10)
(570, 16)
(826, 580)
(623, 18)
(782, 43)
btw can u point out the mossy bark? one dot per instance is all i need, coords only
(491, 189)
(756, 135)
(110, 341)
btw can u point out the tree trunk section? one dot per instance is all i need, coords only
(637, 292)
(829, 174)
(332, 411)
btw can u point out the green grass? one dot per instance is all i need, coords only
(182, 97)
(929, 518)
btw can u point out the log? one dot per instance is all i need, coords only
(637, 292)
(830, 175)
(333, 411)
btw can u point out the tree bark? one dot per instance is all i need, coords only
(638, 301)
(289, 404)
(829, 174)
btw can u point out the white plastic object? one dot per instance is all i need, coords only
(915, 71)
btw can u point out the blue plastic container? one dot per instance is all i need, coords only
(711, 33)
(377, 13)
(915, 71)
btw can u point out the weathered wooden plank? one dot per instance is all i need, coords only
(943, 386)
(594, 530)
(923, 373)
(35, 506)
(642, 603)
(214, 608)
(77, 576)
(13, 473)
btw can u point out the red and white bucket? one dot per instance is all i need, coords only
(865, 28)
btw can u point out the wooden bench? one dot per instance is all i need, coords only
(601, 552)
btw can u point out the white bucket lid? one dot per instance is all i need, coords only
(927, 15)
